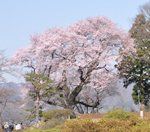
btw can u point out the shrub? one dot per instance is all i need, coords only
(118, 113)
(57, 113)
(47, 115)
(107, 125)
(51, 124)
(81, 125)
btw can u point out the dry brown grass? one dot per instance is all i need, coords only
(101, 115)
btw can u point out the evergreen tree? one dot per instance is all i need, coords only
(30, 118)
(135, 67)
(42, 87)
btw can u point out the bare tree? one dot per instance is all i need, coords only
(145, 10)
(8, 101)
(15, 114)
(9, 98)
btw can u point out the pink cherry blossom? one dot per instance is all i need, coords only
(85, 50)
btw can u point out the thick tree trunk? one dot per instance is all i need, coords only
(37, 112)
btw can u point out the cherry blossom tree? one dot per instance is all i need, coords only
(90, 96)
(81, 55)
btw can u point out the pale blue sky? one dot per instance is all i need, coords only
(20, 18)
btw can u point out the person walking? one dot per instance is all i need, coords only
(11, 127)
(18, 126)
(3, 127)
(14, 125)
(22, 127)
(6, 126)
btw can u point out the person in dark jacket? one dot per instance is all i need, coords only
(11, 127)
(3, 126)
(22, 127)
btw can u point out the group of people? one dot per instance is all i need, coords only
(11, 127)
